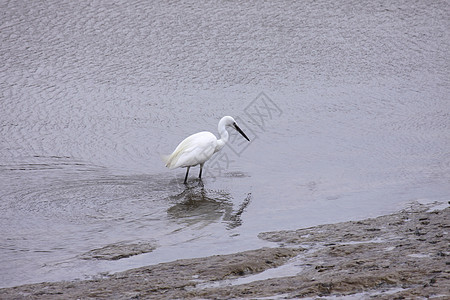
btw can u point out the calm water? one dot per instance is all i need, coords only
(346, 104)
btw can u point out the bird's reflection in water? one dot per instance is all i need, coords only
(199, 206)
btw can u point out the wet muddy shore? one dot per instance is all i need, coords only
(399, 256)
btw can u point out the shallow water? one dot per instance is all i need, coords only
(346, 106)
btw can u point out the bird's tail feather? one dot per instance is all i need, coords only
(165, 158)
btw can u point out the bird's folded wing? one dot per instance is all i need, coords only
(194, 150)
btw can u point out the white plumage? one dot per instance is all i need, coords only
(193, 150)
(200, 147)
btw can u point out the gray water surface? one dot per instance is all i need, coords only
(346, 105)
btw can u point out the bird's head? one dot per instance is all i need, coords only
(228, 121)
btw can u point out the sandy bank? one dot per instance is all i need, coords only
(403, 255)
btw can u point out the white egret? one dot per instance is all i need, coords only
(198, 148)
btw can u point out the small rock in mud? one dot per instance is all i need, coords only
(118, 251)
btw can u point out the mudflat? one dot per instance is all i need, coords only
(400, 256)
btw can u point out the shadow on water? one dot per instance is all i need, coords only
(68, 216)
(197, 205)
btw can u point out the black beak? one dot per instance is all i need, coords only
(240, 131)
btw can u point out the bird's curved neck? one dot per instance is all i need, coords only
(223, 137)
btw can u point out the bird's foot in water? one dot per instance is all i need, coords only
(200, 183)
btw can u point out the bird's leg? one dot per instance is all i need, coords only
(187, 172)
(200, 174)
